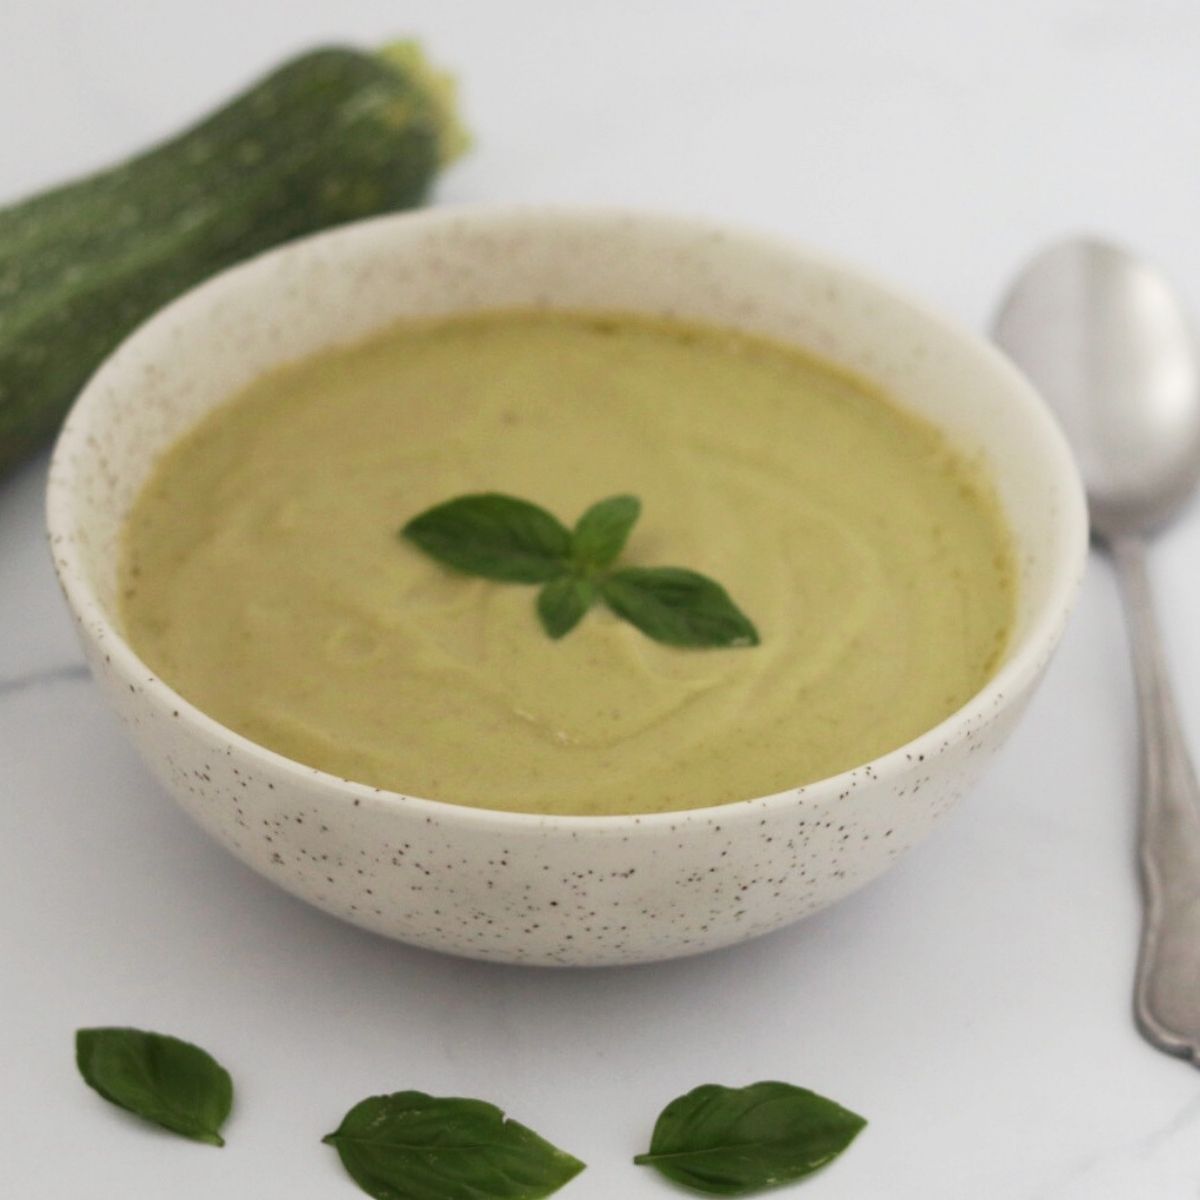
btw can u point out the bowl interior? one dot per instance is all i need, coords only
(343, 285)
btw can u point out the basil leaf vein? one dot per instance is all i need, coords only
(412, 1146)
(157, 1077)
(731, 1141)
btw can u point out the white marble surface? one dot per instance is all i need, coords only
(974, 1003)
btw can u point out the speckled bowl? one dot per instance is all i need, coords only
(509, 886)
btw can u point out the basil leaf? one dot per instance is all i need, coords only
(679, 607)
(729, 1141)
(410, 1146)
(601, 533)
(562, 603)
(172, 1083)
(493, 535)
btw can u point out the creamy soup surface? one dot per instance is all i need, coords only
(264, 580)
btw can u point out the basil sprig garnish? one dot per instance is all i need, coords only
(730, 1141)
(410, 1146)
(513, 541)
(172, 1083)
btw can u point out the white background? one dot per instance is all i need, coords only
(974, 1003)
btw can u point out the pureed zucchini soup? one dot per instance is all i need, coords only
(264, 579)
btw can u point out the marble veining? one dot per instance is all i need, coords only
(1152, 1165)
(14, 685)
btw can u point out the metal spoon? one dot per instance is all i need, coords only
(1106, 341)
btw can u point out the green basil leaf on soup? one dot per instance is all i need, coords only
(562, 603)
(601, 533)
(677, 606)
(494, 535)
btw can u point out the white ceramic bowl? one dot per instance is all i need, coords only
(517, 887)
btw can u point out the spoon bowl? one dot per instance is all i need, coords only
(1105, 340)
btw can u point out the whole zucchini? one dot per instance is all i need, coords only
(330, 136)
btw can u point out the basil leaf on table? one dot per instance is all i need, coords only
(410, 1146)
(165, 1080)
(562, 603)
(601, 533)
(496, 536)
(730, 1141)
(679, 607)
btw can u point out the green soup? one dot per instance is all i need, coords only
(264, 580)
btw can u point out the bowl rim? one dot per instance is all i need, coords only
(1025, 658)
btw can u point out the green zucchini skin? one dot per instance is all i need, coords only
(332, 136)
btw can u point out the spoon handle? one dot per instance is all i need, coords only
(1167, 994)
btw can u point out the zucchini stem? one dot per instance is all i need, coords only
(440, 89)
